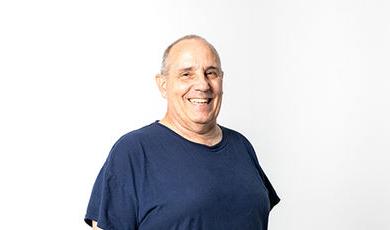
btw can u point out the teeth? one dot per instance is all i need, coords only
(198, 100)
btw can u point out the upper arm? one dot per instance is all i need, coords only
(94, 226)
(114, 201)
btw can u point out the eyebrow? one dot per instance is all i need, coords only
(211, 68)
(192, 68)
(186, 69)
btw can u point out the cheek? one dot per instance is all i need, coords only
(217, 87)
(181, 89)
(177, 90)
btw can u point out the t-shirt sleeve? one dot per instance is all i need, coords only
(273, 196)
(113, 202)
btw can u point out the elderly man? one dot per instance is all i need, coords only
(184, 171)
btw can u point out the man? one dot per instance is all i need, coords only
(184, 171)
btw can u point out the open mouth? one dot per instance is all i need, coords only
(199, 101)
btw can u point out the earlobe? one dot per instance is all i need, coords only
(161, 82)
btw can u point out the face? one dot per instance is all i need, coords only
(192, 84)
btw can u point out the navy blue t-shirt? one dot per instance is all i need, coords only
(154, 179)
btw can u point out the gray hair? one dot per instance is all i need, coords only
(164, 65)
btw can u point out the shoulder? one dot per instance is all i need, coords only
(236, 136)
(130, 144)
(136, 136)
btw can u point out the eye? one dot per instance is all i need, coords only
(185, 75)
(212, 73)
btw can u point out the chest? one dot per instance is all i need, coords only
(188, 186)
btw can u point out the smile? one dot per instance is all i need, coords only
(197, 101)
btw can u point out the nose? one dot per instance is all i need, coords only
(202, 82)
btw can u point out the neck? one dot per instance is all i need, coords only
(207, 134)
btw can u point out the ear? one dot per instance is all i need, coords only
(161, 81)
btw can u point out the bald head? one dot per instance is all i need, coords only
(165, 62)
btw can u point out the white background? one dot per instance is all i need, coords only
(306, 81)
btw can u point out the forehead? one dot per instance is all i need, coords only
(191, 53)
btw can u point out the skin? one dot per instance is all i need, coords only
(94, 226)
(193, 73)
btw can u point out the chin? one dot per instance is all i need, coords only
(203, 121)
